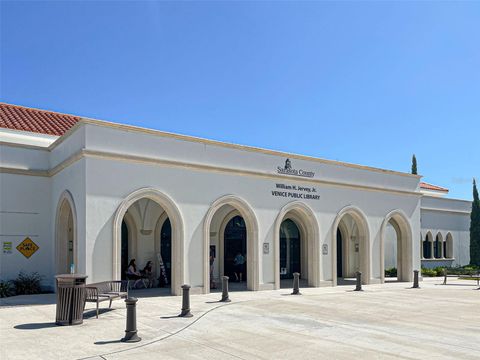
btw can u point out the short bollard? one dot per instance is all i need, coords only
(225, 297)
(186, 302)
(358, 287)
(131, 330)
(296, 284)
(415, 280)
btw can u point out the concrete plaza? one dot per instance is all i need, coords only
(388, 321)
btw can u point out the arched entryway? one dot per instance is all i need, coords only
(396, 246)
(290, 250)
(351, 240)
(230, 229)
(66, 247)
(235, 249)
(296, 244)
(147, 226)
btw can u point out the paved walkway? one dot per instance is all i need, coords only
(388, 321)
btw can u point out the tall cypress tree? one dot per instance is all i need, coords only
(414, 165)
(475, 228)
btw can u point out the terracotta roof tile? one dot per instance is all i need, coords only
(427, 186)
(39, 121)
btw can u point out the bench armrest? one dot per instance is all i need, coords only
(91, 293)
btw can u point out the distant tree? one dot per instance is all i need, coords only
(414, 165)
(475, 228)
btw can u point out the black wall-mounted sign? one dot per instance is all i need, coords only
(287, 169)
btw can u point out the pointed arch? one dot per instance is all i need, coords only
(405, 238)
(365, 253)
(65, 212)
(306, 221)
(438, 246)
(427, 245)
(448, 253)
(246, 211)
(176, 220)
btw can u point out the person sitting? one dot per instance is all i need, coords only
(133, 273)
(147, 273)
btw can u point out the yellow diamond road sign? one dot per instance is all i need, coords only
(27, 247)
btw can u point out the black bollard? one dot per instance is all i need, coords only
(225, 297)
(131, 330)
(415, 280)
(359, 281)
(186, 302)
(296, 284)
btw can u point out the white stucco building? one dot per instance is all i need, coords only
(96, 194)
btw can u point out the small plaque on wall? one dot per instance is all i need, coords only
(266, 248)
(7, 247)
(325, 249)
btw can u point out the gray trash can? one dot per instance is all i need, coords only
(70, 299)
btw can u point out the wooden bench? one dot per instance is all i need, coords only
(471, 276)
(106, 291)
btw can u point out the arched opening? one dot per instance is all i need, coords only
(124, 249)
(351, 250)
(339, 254)
(396, 247)
(165, 259)
(230, 229)
(148, 227)
(235, 249)
(392, 242)
(438, 246)
(290, 250)
(427, 246)
(66, 236)
(296, 245)
(448, 244)
(142, 243)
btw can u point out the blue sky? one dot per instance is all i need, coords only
(362, 82)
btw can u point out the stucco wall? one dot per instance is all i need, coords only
(111, 163)
(25, 211)
(109, 182)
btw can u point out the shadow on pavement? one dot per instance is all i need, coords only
(35, 326)
(107, 342)
(93, 313)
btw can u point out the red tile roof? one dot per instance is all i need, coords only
(427, 186)
(39, 121)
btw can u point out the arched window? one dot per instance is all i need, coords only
(437, 246)
(427, 249)
(448, 245)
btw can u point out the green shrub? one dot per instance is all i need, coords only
(439, 270)
(27, 284)
(392, 272)
(428, 272)
(6, 289)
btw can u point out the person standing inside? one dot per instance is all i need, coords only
(239, 264)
